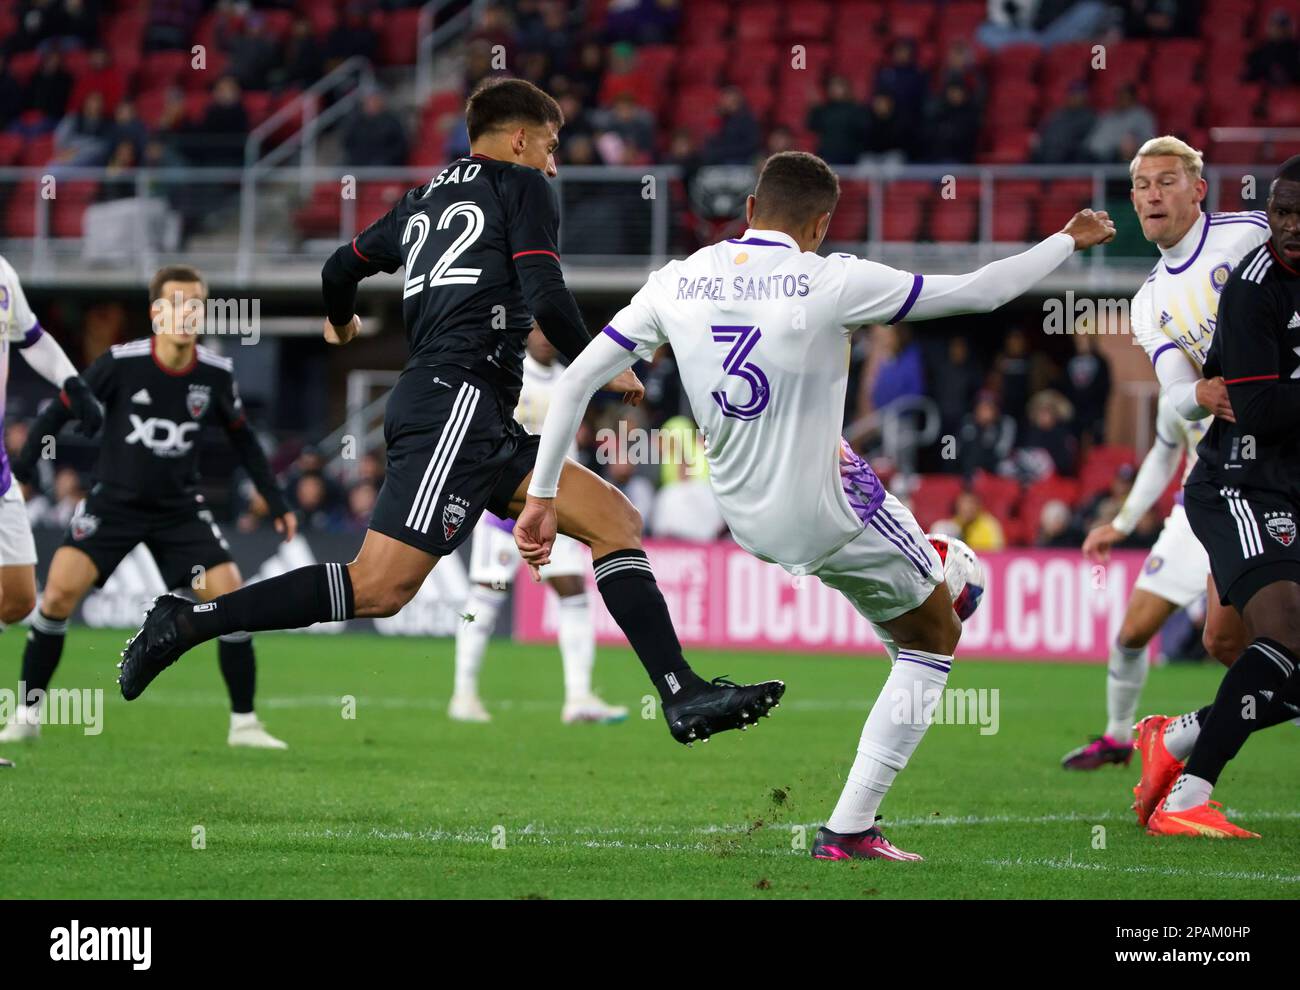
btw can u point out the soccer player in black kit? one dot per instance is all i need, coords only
(158, 394)
(1243, 501)
(479, 247)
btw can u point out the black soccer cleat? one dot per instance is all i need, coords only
(153, 649)
(721, 705)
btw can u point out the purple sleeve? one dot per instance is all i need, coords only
(31, 336)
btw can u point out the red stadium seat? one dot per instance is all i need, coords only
(758, 65)
(904, 209)
(757, 22)
(11, 146)
(70, 207)
(1101, 465)
(933, 497)
(849, 221)
(1012, 220)
(808, 21)
(20, 211)
(1282, 107)
(1010, 146)
(702, 64)
(999, 495)
(911, 19)
(257, 104)
(706, 19)
(1040, 493)
(954, 219)
(398, 37)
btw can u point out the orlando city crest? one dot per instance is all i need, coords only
(1280, 526)
(197, 400)
(453, 516)
(1219, 276)
(83, 525)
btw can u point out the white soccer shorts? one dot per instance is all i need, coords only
(887, 570)
(16, 544)
(1177, 566)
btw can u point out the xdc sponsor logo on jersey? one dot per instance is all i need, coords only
(1280, 526)
(198, 400)
(162, 436)
(453, 516)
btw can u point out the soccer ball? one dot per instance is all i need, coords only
(962, 572)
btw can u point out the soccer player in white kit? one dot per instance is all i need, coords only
(1174, 316)
(494, 561)
(1173, 576)
(760, 327)
(20, 330)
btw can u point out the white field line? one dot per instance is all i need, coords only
(1163, 871)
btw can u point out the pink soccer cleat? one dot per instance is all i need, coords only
(1099, 752)
(870, 844)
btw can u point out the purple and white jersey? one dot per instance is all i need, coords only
(760, 333)
(18, 328)
(1177, 308)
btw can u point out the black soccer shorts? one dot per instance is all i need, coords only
(453, 450)
(181, 539)
(1250, 537)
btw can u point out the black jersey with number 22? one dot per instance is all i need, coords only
(458, 238)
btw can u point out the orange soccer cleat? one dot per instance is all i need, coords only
(1159, 768)
(1204, 820)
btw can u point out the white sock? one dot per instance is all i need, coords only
(1181, 734)
(26, 715)
(241, 720)
(1188, 792)
(577, 646)
(1126, 673)
(472, 637)
(894, 729)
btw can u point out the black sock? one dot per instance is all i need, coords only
(319, 593)
(632, 597)
(41, 654)
(235, 654)
(1251, 690)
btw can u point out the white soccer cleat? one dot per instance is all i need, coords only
(252, 733)
(467, 708)
(23, 727)
(592, 709)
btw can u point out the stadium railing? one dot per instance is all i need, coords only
(249, 226)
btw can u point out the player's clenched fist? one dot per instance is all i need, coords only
(535, 533)
(1212, 394)
(343, 334)
(1090, 228)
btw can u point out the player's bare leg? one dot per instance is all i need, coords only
(71, 575)
(1126, 675)
(1224, 635)
(592, 511)
(17, 592)
(238, 664)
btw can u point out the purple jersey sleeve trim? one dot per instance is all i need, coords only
(31, 336)
(619, 339)
(910, 301)
(1160, 350)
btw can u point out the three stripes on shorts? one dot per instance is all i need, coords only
(1247, 527)
(444, 456)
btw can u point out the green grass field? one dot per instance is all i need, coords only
(401, 802)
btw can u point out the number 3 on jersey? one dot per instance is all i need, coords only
(417, 232)
(737, 365)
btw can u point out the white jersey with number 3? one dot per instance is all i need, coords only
(760, 334)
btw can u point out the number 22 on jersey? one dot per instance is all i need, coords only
(417, 232)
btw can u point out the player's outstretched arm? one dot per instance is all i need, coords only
(601, 361)
(43, 429)
(1159, 467)
(998, 282)
(47, 359)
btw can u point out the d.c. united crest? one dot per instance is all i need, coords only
(83, 525)
(197, 400)
(1280, 526)
(453, 515)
